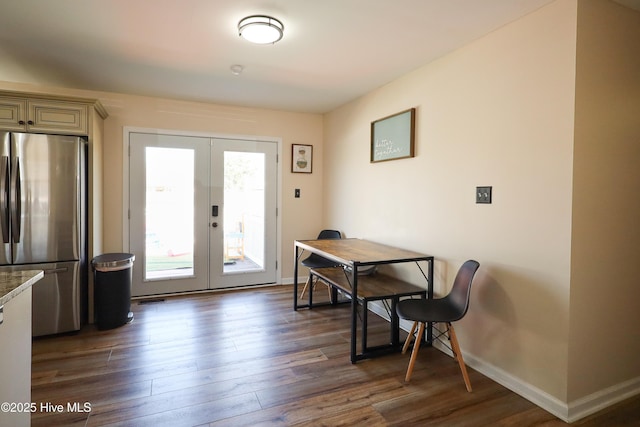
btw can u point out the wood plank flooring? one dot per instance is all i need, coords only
(245, 358)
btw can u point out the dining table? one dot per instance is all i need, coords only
(351, 257)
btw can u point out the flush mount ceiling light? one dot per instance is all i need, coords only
(260, 29)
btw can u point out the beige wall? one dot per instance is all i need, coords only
(546, 111)
(497, 112)
(554, 306)
(604, 336)
(301, 218)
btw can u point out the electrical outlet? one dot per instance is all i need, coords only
(483, 194)
(296, 193)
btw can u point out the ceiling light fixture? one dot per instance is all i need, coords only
(260, 29)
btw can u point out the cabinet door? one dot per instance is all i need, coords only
(69, 118)
(15, 369)
(13, 114)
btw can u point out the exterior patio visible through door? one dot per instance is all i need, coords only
(202, 212)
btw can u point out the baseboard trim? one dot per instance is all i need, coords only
(533, 394)
(568, 412)
(602, 399)
(289, 280)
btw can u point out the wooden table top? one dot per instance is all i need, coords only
(359, 251)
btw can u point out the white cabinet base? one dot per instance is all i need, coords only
(15, 363)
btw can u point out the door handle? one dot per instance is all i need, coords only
(16, 201)
(214, 224)
(4, 197)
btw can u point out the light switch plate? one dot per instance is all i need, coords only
(483, 194)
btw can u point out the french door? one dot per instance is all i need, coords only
(243, 235)
(202, 212)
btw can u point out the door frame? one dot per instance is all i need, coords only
(127, 130)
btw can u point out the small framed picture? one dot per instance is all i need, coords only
(393, 137)
(301, 158)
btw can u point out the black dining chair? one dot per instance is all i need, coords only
(440, 310)
(316, 261)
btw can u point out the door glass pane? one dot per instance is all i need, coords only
(169, 212)
(244, 214)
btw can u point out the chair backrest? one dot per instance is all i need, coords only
(458, 298)
(315, 260)
(329, 234)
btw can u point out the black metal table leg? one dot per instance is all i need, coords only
(430, 296)
(295, 278)
(354, 312)
(365, 309)
(310, 290)
(395, 323)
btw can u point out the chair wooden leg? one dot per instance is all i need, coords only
(458, 354)
(306, 285)
(414, 353)
(311, 283)
(405, 347)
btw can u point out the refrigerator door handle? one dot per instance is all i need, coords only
(16, 202)
(4, 198)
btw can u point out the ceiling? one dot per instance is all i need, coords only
(333, 51)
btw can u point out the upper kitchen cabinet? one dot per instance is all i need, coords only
(51, 115)
(12, 112)
(65, 115)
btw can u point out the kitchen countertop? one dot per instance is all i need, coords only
(13, 283)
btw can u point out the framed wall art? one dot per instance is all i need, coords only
(393, 137)
(301, 158)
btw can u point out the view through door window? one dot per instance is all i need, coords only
(169, 212)
(244, 215)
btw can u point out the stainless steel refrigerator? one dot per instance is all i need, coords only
(43, 223)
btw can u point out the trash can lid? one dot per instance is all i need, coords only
(113, 262)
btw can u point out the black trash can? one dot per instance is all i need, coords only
(112, 289)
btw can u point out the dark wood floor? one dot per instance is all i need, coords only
(245, 358)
